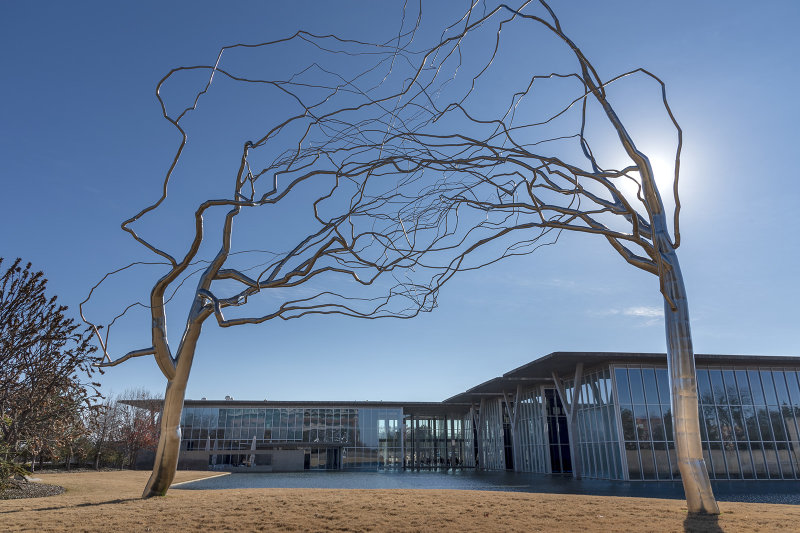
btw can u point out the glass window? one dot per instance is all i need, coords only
(773, 464)
(732, 459)
(718, 386)
(725, 424)
(737, 421)
(790, 421)
(751, 423)
(745, 460)
(587, 396)
(637, 393)
(710, 416)
(709, 462)
(605, 384)
(662, 460)
(704, 387)
(763, 423)
(785, 460)
(623, 391)
(794, 389)
(744, 387)
(673, 459)
(642, 422)
(718, 456)
(769, 387)
(650, 387)
(656, 422)
(794, 451)
(777, 422)
(648, 461)
(666, 410)
(730, 387)
(632, 457)
(662, 377)
(780, 387)
(755, 387)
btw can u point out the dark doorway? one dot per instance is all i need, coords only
(508, 442)
(322, 459)
(557, 431)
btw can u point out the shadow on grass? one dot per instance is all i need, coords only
(87, 504)
(706, 523)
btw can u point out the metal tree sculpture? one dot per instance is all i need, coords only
(432, 160)
(475, 183)
(330, 247)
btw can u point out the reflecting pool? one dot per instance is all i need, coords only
(786, 492)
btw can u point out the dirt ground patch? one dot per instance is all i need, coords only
(109, 501)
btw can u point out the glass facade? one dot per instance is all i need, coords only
(332, 438)
(470, 442)
(531, 433)
(434, 442)
(491, 445)
(542, 429)
(645, 415)
(597, 435)
(621, 429)
(748, 422)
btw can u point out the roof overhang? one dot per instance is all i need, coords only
(563, 364)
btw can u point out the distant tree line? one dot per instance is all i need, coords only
(51, 412)
(117, 433)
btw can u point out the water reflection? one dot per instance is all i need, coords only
(786, 492)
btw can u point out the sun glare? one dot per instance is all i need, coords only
(663, 171)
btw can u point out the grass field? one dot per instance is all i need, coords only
(109, 501)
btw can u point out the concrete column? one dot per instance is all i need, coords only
(572, 416)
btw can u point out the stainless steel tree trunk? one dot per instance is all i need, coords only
(169, 442)
(683, 384)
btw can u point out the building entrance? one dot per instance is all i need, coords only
(557, 432)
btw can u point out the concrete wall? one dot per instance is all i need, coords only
(287, 460)
(266, 461)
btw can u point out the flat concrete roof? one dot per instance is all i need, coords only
(563, 364)
(413, 408)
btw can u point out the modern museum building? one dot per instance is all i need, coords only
(602, 415)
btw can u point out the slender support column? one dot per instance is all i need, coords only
(477, 421)
(481, 435)
(413, 444)
(512, 418)
(577, 465)
(571, 409)
(403, 441)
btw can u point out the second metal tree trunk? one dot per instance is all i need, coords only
(169, 441)
(683, 384)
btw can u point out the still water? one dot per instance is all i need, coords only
(786, 492)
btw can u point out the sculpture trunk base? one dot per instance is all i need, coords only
(698, 501)
(169, 442)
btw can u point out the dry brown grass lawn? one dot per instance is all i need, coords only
(109, 501)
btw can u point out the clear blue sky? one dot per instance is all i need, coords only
(83, 146)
